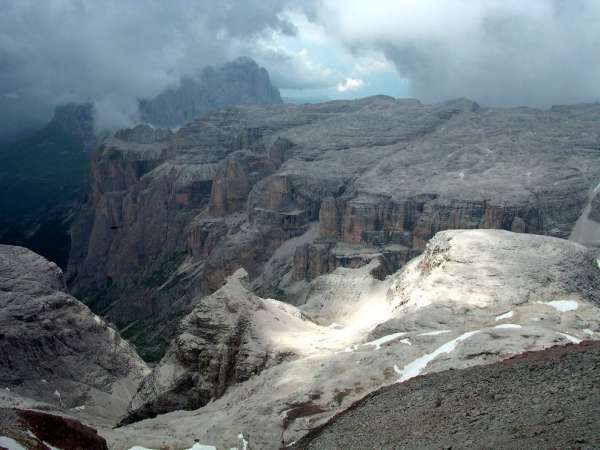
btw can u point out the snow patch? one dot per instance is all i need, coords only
(243, 441)
(57, 394)
(434, 333)
(10, 443)
(506, 315)
(414, 368)
(50, 446)
(562, 305)
(572, 339)
(588, 331)
(508, 326)
(377, 343)
(198, 446)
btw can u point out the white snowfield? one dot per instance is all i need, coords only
(10, 443)
(507, 315)
(473, 297)
(562, 305)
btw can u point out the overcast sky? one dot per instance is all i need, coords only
(497, 52)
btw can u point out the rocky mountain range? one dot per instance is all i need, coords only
(43, 174)
(239, 82)
(274, 265)
(243, 365)
(290, 193)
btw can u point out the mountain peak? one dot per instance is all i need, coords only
(238, 82)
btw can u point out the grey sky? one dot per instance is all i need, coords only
(497, 52)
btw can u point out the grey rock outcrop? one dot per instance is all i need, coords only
(54, 349)
(239, 82)
(228, 337)
(473, 297)
(169, 220)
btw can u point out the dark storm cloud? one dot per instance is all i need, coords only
(499, 52)
(115, 52)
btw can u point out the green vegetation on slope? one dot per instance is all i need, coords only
(41, 177)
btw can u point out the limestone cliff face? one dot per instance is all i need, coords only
(170, 215)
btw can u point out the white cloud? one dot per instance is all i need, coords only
(289, 68)
(498, 52)
(373, 63)
(124, 49)
(350, 84)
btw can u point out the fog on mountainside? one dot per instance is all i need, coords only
(43, 175)
(496, 52)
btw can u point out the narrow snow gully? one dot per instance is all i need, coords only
(587, 231)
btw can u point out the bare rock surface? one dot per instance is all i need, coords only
(228, 337)
(168, 220)
(544, 400)
(473, 297)
(54, 349)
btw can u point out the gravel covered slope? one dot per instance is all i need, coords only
(544, 399)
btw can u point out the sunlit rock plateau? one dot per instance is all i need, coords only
(270, 371)
(290, 193)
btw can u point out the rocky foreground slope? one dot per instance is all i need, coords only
(293, 192)
(545, 399)
(54, 350)
(272, 372)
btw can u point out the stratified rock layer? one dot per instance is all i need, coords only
(54, 349)
(168, 220)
